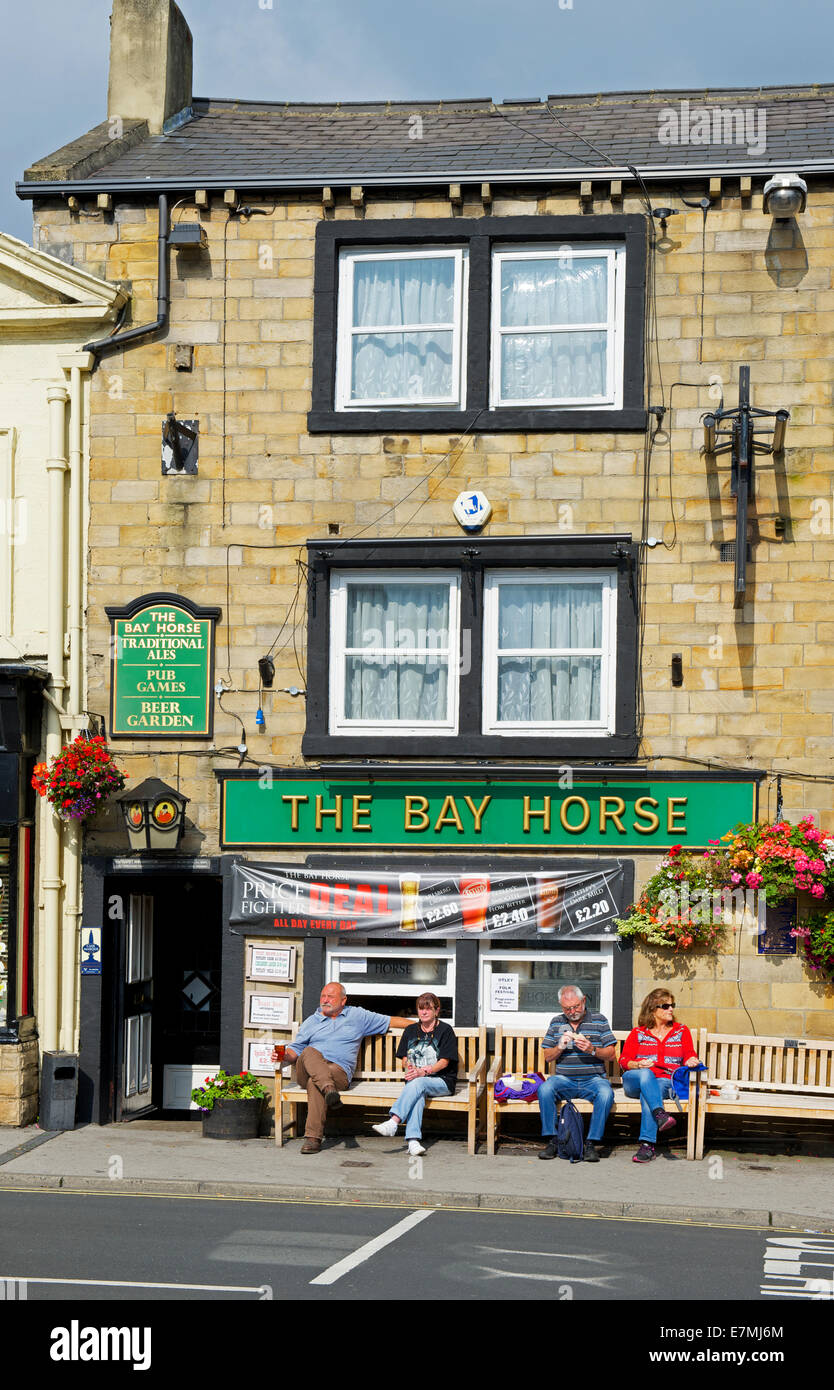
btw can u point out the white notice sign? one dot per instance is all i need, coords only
(504, 993)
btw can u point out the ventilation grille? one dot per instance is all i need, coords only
(728, 552)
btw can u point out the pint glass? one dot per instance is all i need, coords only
(549, 907)
(474, 899)
(409, 894)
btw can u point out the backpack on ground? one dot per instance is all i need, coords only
(570, 1135)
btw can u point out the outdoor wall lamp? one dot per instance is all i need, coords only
(154, 815)
(784, 196)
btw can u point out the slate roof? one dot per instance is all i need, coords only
(240, 143)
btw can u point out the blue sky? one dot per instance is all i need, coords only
(55, 87)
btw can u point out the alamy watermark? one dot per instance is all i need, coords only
(714, 125)
(710, 906)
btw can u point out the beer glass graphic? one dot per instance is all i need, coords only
(409, 895)
(474, 899)
(549, 908)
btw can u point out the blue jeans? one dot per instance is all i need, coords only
(644, 1086)
(411, 1102)
(596, 1089)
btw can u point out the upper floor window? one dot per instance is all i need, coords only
(517, 645)
(401, 329)
(494, 323)
(557, 326)
(549, 652)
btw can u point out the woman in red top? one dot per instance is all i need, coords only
(650, 1054)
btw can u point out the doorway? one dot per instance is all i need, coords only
(168, 993)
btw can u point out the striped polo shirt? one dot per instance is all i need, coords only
(573, 1063)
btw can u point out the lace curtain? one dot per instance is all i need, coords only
(397, 652)
(533, 617)
(550, 294)
(403, 362)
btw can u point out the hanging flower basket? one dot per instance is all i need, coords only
(781, 860)
(677, 907)
(816, 936)
(80, 779)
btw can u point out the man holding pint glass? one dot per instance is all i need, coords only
(325, 1049)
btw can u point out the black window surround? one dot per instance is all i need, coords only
(480, 235)
(473, 556)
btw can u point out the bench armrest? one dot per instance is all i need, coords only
(478, 1070)
(496, 1070)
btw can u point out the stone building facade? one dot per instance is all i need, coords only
(725, 285)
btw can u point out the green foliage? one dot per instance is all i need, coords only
(227, 1086)
(817, 936)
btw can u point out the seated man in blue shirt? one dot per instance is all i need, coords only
(580, 1042)
(326, 1046)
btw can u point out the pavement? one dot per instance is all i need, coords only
(742, 1188)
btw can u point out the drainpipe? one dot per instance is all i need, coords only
(105, 346)
(51, 883)
(72, 834)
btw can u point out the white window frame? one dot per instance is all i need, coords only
(614, 325)
(605, 725)
(491, 1018)
(347, 330)
(340, 582)
(410, 990)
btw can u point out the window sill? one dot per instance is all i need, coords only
(514, 418)
(316, 745)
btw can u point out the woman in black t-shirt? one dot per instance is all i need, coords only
(429, 1054)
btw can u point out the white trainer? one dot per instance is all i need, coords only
(387, 1129)
(415, 1148)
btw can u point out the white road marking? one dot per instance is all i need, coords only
(603, 1280)
(129, 1284)
(542, 1254)
(371, 1247)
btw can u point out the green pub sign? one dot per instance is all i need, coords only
(162, 668)
(274, 809)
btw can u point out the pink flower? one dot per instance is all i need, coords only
(753, 880)
(817, 891)
(735, 878)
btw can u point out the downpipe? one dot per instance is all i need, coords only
(105, 346)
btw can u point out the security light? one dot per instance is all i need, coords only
(785, 196)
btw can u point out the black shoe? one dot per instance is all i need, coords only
(551, 1149)
(333, 1100)
(590, 1153)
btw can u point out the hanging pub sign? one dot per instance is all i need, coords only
(412, 905)
(162, 668)
(297, 810)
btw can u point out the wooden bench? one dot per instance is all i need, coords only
(379, 1078)
(520, 1050)
(778, 1077)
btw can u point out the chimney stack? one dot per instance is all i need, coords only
(150, 62)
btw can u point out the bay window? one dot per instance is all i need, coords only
(501, 323)
(523, 645)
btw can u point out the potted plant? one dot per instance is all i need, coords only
(79, 779)
(231, 1105)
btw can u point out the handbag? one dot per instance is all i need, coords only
(680, 1083)
(513, 1086)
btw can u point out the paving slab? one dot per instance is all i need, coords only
(728, 1187)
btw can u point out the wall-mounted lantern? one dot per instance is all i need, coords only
(154, 815)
